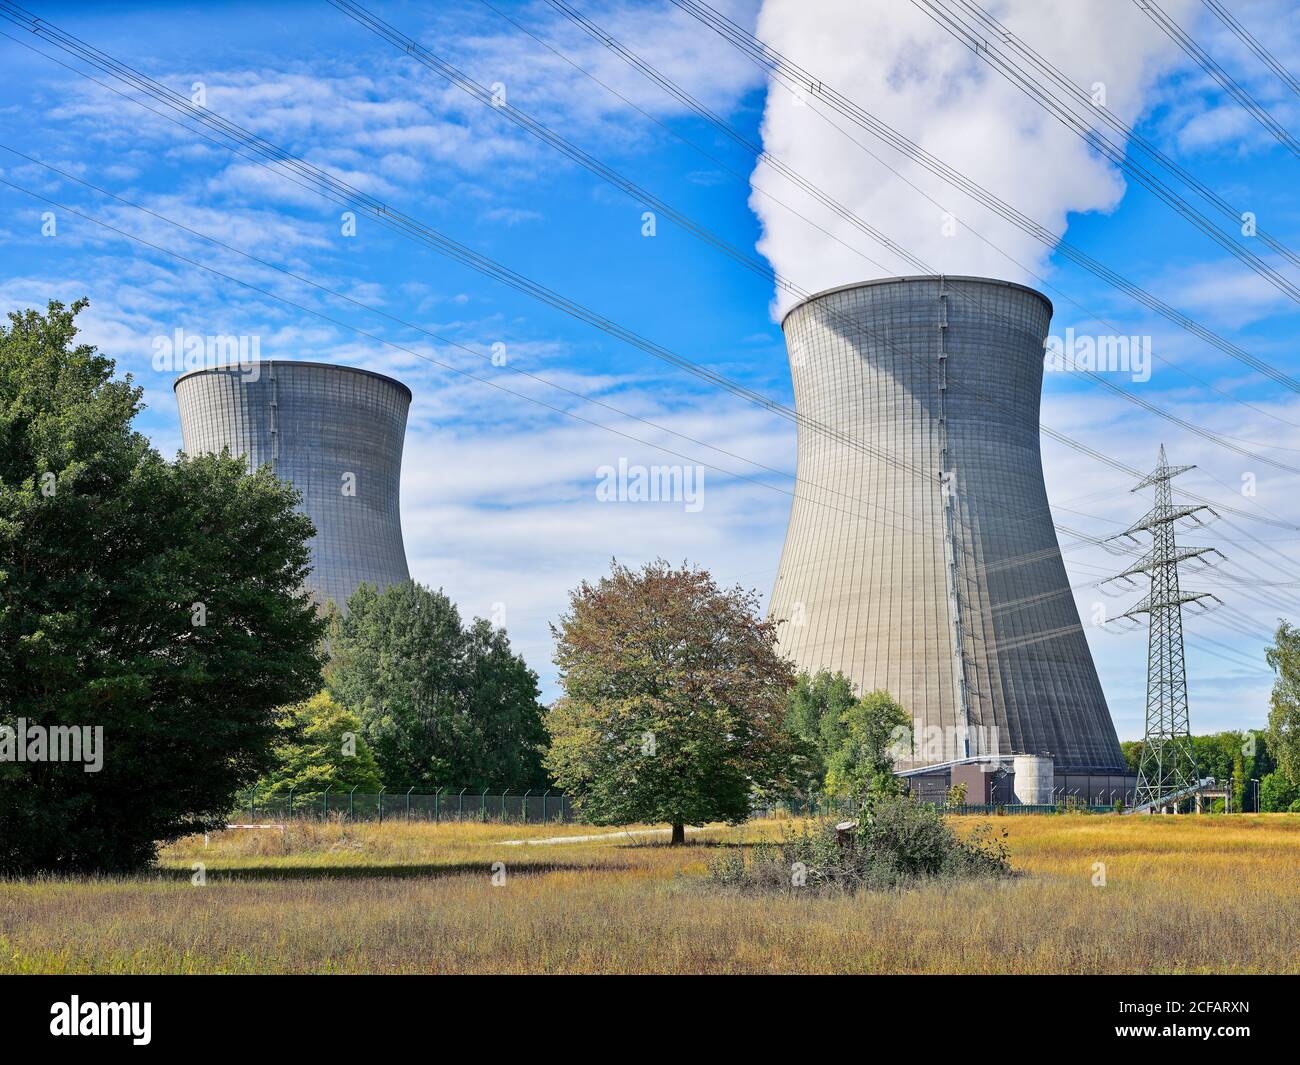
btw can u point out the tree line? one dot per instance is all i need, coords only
(164, 603)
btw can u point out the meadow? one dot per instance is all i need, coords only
(1096, 894)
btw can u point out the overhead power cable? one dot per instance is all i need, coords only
(1242, 34)
(388, 212)
(1130, 137)
(802, 83)
(486, 97)
(297, 170)
(752, 182)
(1227, 82)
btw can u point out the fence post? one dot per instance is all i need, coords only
(326, 798)
(524, 803)
(482, 805)
(291, 802)
(381, 804)
(350, 794)
(437, 803)
(408, 801)
(544, 794)
(503, 805)
(460, 805)
(252, 803)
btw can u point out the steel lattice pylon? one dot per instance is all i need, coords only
(1168, 762)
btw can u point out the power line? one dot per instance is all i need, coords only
(800, 82)
(1092, 110)
(657, 77)
(486, 97)
(1206, 62)
(989, 51)
(1242, 34)
(229, 126)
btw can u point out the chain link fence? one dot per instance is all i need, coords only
(543, 806)
(526, 806)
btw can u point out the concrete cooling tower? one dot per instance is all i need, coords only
(921, 556)
(333, 431)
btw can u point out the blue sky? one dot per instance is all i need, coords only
(499, 494)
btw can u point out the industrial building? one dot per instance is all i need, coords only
(336, 434)
(921, 556)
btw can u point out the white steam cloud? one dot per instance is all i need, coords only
(894, 61)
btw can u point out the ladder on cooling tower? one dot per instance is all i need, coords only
(1173, 797)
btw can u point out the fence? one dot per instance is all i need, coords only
(530, 806)
(821, 806)
(534, 806)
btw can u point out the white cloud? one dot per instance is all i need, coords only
(913, 75)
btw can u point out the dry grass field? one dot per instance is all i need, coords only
(1181, 895)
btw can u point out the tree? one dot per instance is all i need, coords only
(674, 699)
(1132, 754)
(1284, 707)
(439, 704)
(1276, 793)
(160, 603)
(1239, 783)
(816, 717)
(863, 764)
(321, 747)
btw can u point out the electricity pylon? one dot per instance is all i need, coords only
(1168, 763)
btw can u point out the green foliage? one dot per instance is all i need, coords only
(956, 795)
(1277, 793)
(863, 764)
(158, 601)
(850, 743)
(1132, 754)
(1239, 783)
(320, 747)
(440, 704)
(815, 717)
(674, 699)
(897, 843)
(1284, 706)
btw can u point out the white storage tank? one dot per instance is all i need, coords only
(1035, 779)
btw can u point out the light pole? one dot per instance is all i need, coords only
(1255, 781)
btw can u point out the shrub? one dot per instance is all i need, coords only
(897, 843)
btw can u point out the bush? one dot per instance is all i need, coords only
(1277, 793)
(897, 843)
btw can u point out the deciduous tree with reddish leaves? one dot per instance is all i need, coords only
(674, 700)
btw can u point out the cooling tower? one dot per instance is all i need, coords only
(336, 433)
(921, 556)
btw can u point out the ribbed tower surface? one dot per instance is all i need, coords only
(336, 433)
(927, 393)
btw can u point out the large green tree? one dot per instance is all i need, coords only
(441, 704)
(160, 602)
(816, 717)
(674, 700)
(320, 747)
(862, 766)
(1284, 707)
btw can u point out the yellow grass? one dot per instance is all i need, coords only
(1185, 894)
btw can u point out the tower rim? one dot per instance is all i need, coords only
(905, 278)
(296, 362)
